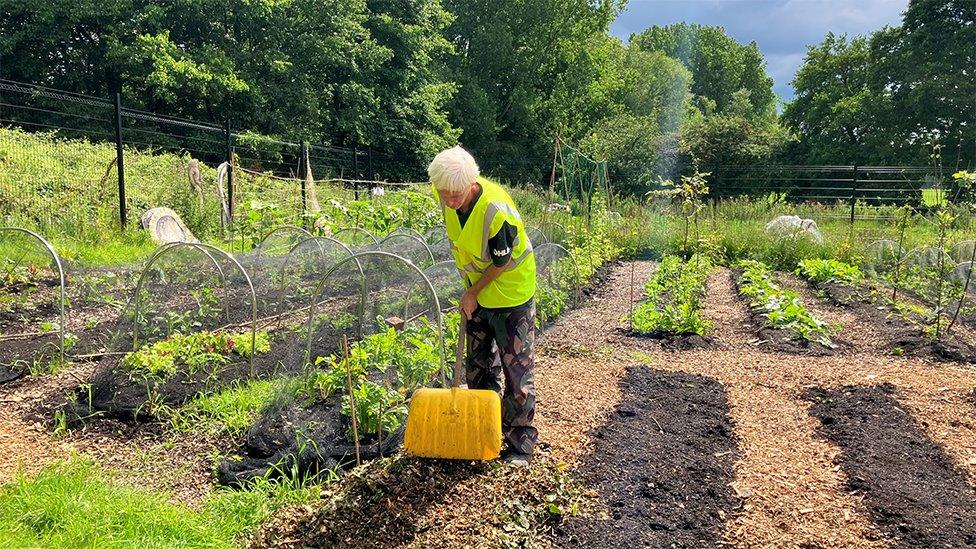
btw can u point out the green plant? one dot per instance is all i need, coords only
(829, 270)
(195, 351)
(782, 308)
(232, 410)
(376, 406)
(674, 295)
(77, 504)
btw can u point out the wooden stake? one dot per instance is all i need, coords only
(352, 399)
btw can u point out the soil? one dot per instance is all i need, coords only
(909, 485)
(662, 464)
(898, 332)
(115, 393)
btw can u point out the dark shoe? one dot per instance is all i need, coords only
(516, 459)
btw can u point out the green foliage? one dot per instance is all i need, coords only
(77, 504)
(232, 410)
(863, 99)
(550, 301)
(194, 352)
(782, 308)
(366, 73)
(376, 407)
(829, 270)
(557, 65)
(719, 65)
(674, 294)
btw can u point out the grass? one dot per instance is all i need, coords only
(76, 504)
(232, 410)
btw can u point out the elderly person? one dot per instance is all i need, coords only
(494, 255)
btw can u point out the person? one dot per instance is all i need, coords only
(493, 253)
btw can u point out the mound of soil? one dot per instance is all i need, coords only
(662, 464)
(903, 334)
(302, 439)
(909, 485)
(380, 505)
(776, 339)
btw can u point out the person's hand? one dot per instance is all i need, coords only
(469, 302)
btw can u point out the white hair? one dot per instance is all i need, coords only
(453, 170)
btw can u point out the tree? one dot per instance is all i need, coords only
(640, 142)
(719, 64)
(832, 109)
(526, 69)
(882, 99)
(343, 72)
(724, 142)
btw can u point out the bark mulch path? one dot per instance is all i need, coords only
(896, 467)
(579, 363)
(662, 465)
(795, 494)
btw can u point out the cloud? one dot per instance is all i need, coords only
(782, 28)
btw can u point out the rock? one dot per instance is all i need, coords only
(165, 226)
(791, 226)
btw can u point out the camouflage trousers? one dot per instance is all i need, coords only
(501, 341)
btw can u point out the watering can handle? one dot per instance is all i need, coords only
(462, 338)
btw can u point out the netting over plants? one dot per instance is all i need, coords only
(291, 285)
(374, 335)
(438, 242)
(281, 240)
(355, 237)
(536, 236)
(559, 281)
(928, 258)
(189, 328)
(963, 251)
(882, 255)
(32, 303)
(408, 246)
(554, 232)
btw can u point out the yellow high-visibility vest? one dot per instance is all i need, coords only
(469, 246)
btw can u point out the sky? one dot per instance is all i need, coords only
(782, 28)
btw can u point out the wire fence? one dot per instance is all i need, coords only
(70, 163)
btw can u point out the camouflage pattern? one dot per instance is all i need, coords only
(501, 341)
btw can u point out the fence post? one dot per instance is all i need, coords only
(853, 194)
(303, 174)
(369, 163)
(230, 173)
(120, 159)
(355, 169)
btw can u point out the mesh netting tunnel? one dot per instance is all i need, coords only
(407, 246)
(281, 240)
(559, 282)
(189, 328)
(882, 255)
(355, 237)
(375, 321)
(32, 302)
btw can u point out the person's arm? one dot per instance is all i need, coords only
(469, 301)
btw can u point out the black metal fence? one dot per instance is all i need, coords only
(919, 186)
